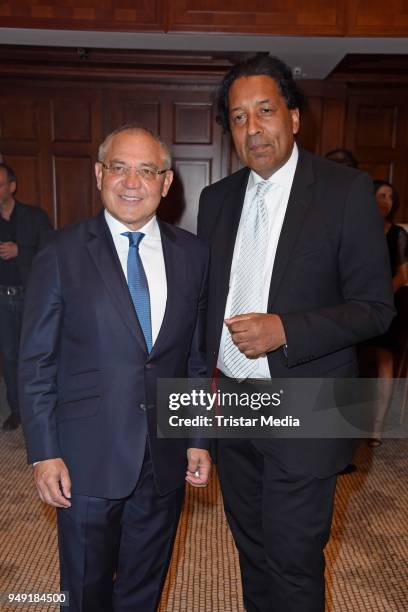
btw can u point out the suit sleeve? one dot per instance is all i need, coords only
(42, 320)
(365, 279)
(197, 367)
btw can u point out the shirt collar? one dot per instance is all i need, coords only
(150, 229)
(283, 176)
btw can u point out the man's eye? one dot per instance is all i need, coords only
(266, 110)
(147, 172)
(118, 168)
(238, 118)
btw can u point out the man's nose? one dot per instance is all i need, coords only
(253, 124)
(132, 178)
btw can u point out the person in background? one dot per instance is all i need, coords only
(343, 157)
(22, 230)
(114, 303)
(389, 346)
(294, 285)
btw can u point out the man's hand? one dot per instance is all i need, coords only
(8, 250)
(53, 482)
(256, 334)
(199, 467)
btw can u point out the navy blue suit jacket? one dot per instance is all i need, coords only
(87, 383)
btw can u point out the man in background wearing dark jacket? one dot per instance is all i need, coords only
(21, 230)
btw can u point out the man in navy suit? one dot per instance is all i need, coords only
(320, 285)
(90, 361)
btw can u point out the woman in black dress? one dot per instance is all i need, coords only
(391, 345)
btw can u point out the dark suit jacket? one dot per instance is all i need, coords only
(32, 226)
(330, 284)
(87, 384)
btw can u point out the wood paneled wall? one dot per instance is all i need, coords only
(295, 18)
(50, 136)
(50, 130)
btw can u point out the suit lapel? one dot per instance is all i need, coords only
(103, 253)
(299, 200)
(225, 230)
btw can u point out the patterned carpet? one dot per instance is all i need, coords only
(367, 558)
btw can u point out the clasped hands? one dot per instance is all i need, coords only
(256, 333)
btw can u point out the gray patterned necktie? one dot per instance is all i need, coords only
(248, 286)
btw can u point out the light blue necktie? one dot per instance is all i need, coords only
(138, 287)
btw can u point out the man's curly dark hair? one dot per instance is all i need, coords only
(259, 65)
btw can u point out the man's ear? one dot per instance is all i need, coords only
(295, 120)
(168, 179)
(98, 174)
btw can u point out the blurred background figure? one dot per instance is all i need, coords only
(345, 158)
(21, 230)
(388, 349)
(342, 156)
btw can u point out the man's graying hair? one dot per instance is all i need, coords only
(135, 127)
(259, 65)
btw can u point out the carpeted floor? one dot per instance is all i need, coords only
(367, 557)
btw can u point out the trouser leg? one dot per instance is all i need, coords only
(10, 327)
(281, 523)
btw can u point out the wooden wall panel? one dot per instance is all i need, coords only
(83, 14)
(19, 119)
(55, 143)
(322, 123)
(378, 170)
(22, 130)
(310, 123)
(131, 110)
(332, 127)
(71, 120)
(376, 132)
(376, 126)
(181, 205)
(279, 17)
(38, 124)
(192, 123)
(185, 118)
(378, 18)
(73, 179)
(299, 17)
(28, 177)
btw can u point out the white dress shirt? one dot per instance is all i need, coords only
(276, 201)
(151, 254)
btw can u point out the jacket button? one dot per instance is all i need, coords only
(143, 407)
(148, 366)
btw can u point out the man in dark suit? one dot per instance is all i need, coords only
(22, 229)
(93, 347)
(298, 275)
